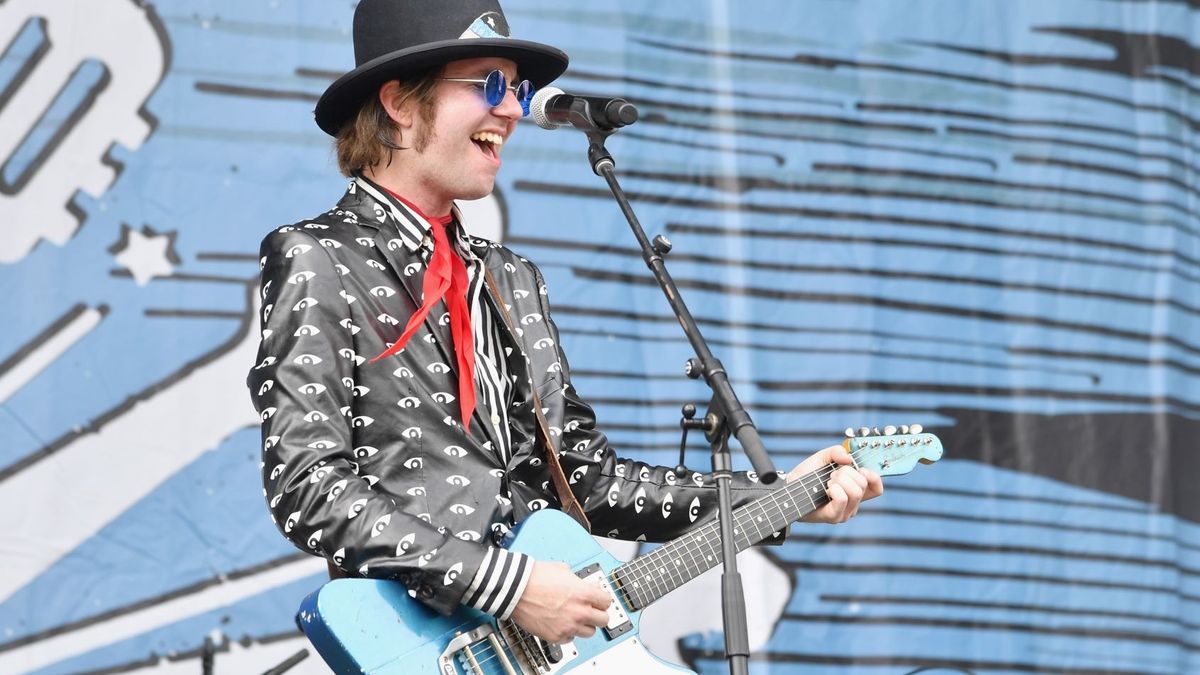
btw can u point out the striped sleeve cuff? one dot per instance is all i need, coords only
(499, 583)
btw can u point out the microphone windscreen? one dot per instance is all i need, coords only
(537, 107)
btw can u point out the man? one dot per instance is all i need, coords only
(401, 358)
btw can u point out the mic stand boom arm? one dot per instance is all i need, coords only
(726, 414)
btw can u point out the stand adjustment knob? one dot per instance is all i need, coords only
(693, 369)
(661, 244)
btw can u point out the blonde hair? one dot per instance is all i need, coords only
(368, 139)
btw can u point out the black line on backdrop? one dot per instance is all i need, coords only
(874, 599)
(920, 664)
(877, 386)
(969, 547)
(1142, 362)
(724, 323)
(184, 276)
(146, 603)
(48, 332)
(192, 314)
(934, 245)
(1022, 499)
(227, 257)
(852, 407)
(1132, 54)
(833, 214)
(255, 92)
(101, 420)
(742, 184)
(779, 159)
(790, 117)
(1087, 167)
(926, 110)
(1056, 526)
(912, 275)
(659, 118)
(970, 313)
(675, 86)
(1010, 626)
(1070, 143)
(958, 572)
(1093, 376)
(830, 63)
(937, 177)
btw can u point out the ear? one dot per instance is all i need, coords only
(399, 110)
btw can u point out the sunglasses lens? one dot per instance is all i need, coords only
(494, 88)
(524, 95)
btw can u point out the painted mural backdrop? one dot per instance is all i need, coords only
(976, 215)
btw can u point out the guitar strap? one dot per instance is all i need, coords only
(570, 505)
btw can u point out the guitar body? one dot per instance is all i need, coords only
(374, 626)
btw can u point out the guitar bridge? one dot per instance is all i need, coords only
(473, 647)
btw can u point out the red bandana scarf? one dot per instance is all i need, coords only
(446, 277)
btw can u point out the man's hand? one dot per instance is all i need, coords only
(848, 487)
(557, 605)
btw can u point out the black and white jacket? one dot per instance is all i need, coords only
(367, 464)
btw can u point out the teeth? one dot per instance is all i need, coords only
(488, 137)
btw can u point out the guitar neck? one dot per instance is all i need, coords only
(649, 577)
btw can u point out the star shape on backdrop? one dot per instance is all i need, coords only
(146, 253)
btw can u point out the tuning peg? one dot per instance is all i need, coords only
(915, 428)
(889, 430)
(864, 431)
(850, 432)
(876, 431)
(904, 429)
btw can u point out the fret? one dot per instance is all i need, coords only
(665, 569)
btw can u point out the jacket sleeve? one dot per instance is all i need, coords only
(303, 389)
(627, 499)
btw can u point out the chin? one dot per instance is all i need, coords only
(477, 191)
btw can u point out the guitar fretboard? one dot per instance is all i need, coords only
(680, 560)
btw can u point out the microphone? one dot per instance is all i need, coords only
(551, 108)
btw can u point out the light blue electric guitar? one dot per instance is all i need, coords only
(373, 626)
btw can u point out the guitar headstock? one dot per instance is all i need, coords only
(892, 451)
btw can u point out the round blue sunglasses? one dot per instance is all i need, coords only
(494, 87)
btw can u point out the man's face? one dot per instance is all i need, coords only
(467, 135)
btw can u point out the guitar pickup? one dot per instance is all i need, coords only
(618, 621)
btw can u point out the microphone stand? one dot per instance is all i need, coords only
(726, 415)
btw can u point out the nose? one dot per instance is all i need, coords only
(509, 107)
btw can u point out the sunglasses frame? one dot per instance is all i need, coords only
(496, 84)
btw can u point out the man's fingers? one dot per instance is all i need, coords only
(599, 599)
(837, 499)
(838, 454)
(599, 619)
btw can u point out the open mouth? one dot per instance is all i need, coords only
(488, 143)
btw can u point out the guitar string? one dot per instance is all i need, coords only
(746, 514)
(640, 566)
(811, 482)
(528, 641)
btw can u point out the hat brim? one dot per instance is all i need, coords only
(540, 64)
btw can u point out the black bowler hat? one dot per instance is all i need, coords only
(395, 38)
